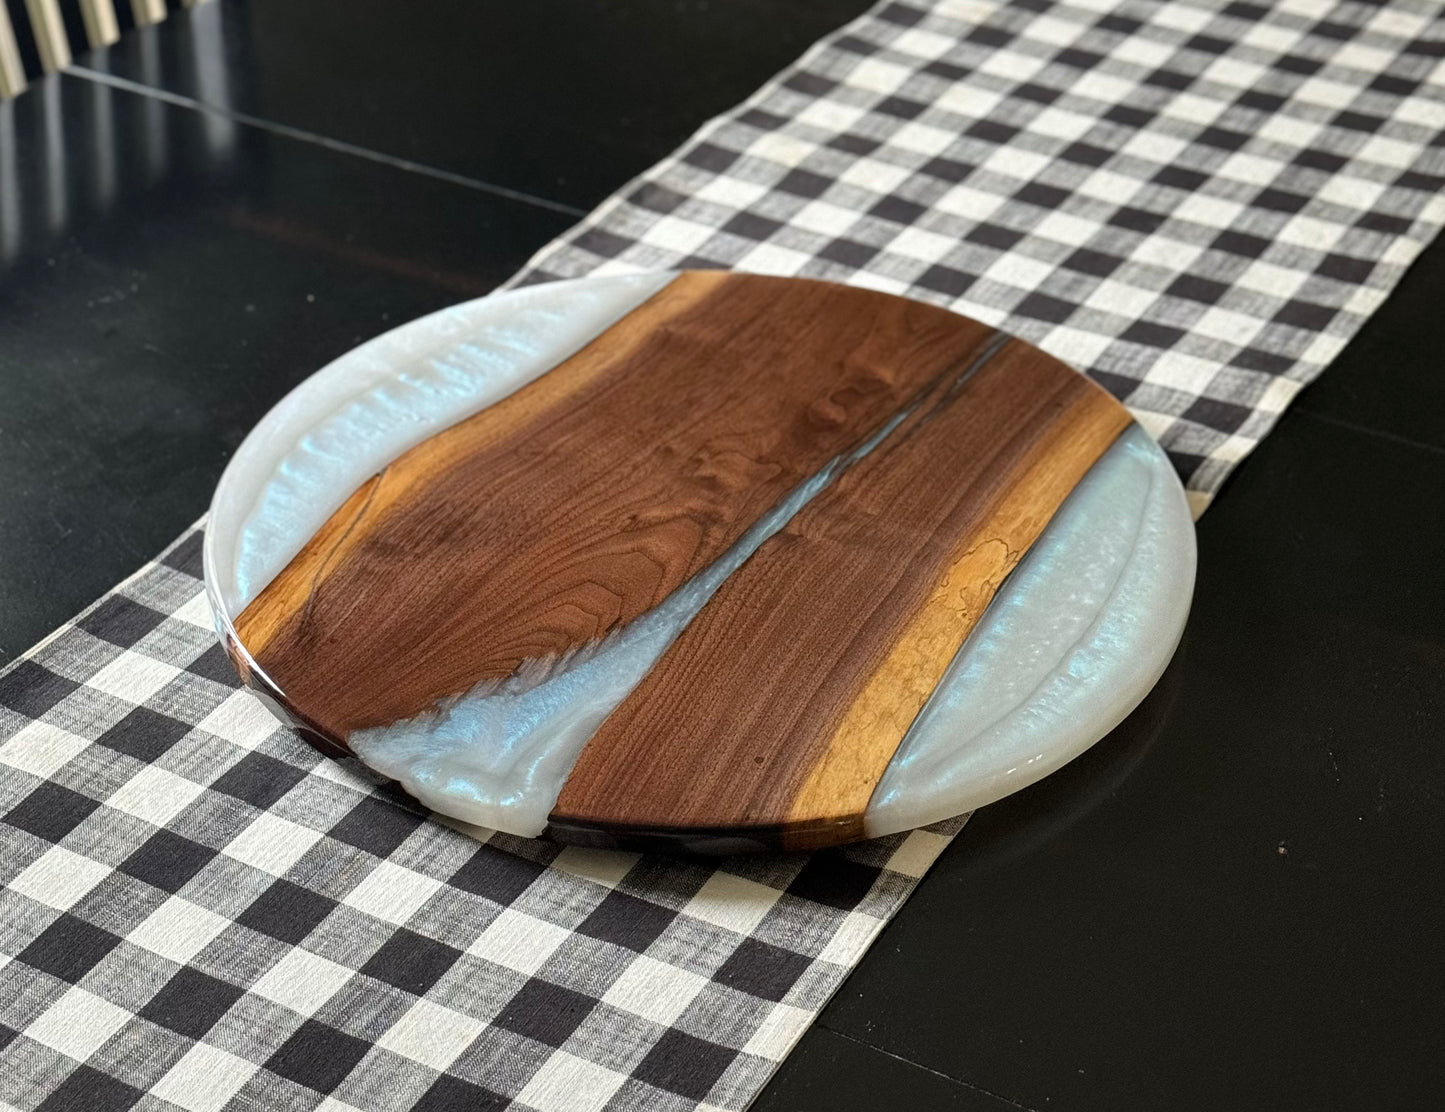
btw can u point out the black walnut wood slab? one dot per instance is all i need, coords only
(502, 546)
(779, 707)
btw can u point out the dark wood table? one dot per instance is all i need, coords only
(1235, 901)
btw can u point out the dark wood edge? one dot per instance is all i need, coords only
(275, 701)
(706, 841)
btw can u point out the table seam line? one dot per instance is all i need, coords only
(1368, 430)
(820, 1023)
(340, 146)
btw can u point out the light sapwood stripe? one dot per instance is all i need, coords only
(854, 759)
(780, 705)
(556, 516)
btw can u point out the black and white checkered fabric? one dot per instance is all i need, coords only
(199, 909)
(1197, 202)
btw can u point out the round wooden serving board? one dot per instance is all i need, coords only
(874, 468)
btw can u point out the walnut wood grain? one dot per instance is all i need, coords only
(556, 516)
(778, 708)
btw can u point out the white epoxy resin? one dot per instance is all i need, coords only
(1072, 642)
(357, 414)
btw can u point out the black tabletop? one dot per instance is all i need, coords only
(1234, 901)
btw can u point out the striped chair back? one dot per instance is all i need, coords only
(45, 24)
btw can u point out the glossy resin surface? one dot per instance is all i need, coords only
(766, 617)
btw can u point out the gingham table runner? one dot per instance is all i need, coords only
(1197, 203)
